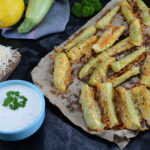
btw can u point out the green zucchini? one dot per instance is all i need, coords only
(36, 11)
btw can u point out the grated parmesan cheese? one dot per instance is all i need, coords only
(7, 57)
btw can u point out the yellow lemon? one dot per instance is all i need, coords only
(11, 12)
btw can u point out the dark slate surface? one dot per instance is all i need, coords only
(57, 132)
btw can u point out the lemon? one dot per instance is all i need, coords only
(11, 12)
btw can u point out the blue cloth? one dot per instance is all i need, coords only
(55, 21)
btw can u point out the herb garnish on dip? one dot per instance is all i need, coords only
(14, 100)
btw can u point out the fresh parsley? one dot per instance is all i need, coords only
(86, 8)
(14, 100)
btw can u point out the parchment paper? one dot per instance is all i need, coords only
(43, 78)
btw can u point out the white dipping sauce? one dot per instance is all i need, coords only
(11, 120)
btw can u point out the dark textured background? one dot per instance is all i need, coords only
(57, 132)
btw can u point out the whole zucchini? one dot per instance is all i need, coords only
(36, 11)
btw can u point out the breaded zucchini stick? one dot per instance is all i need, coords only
(81, 49)
(144, 12)
(108, 38)
(88, 68)
(116, 49)
(126, 75)
(106, 20)
(135, 33)
(90, 109)
(145, 78)
(85, 33)
(126, 110)
(106, 102)
(62, 72)
(126, 10)
(123, 62)
(119, 47)
(141, 97)
(99, 74)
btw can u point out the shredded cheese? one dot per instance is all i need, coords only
(7, 56)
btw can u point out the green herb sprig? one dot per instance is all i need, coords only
(86, 8)
(14, 100)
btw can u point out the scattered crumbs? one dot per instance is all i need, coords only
(37, 84)
(77, 84)
(52, 84)
(146, 39)
(54, 92)
(52, 55)
(73, 103)
(135, 79)
(52, 70)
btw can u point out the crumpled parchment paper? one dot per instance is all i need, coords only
(43, 78)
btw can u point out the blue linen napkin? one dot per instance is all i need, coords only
(55, 21)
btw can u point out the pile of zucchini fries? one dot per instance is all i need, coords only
(104, 103)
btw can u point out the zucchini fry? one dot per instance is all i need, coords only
(81, 49)
(62, 72)
(90, 109)
(122, 78)
(123, 62)
(119, 47)
(144, 12)
(135, 33)
(141, 97)
(88, 68)
(116, 49)
(126, 110)
(126, 10)
(108, 38)
(86, 33)
(106, 102)
(145, 78)
(99, 74)
(106, 20)
(146, 66)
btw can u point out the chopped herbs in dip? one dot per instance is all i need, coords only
(14, 100)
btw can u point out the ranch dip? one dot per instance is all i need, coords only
(11, 120)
